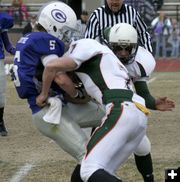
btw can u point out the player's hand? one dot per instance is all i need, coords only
(164, 104)
(12, 51)
(11, 72)
(41, 100)
(81, 98)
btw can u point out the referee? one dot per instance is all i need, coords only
(113, 12)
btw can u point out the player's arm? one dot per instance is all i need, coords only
(49, 74)
(64, 82)
(161, 104)
(143, 90)
(7, 44)
(74, 89)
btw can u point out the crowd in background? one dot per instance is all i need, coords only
(164, 31)
(19, 11)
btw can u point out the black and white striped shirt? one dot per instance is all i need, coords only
(103, 17)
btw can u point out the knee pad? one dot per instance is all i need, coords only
(144, 147)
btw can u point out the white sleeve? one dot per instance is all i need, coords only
(47, 59)
(84, 49)
(146, 60)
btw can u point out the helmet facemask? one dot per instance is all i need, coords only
(131, 48)
(68, 34)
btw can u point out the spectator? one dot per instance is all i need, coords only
(6, 22)
(161, 26)
(15, 10)
(30, 26)
(114, 12)
(19, 11)
(24, 12)
(146, 9)
(82, 23)
(10, 11)
(174, 38)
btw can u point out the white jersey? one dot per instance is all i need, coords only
(111, 73)
(143, 65)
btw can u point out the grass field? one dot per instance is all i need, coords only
(27, 156)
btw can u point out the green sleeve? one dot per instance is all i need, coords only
(142, 90)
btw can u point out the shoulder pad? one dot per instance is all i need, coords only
(85, 49)
(146, 60)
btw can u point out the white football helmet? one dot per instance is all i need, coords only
(58, 19)
(124, 36)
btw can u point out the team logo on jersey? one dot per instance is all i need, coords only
(59, 15)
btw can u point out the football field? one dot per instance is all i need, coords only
(27, 156)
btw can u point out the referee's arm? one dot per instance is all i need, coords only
(92, 29)
(145, 38)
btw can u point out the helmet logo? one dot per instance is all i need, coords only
(59, 15)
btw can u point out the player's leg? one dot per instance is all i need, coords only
(89, 115)
(75, 177)
(86, 115)
(3, 130)
(102, 175)
(113, 142)
(68, 135)
(143, 160)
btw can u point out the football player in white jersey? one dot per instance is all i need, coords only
(140, 64)
(96, 55)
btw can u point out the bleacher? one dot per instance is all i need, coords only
(32, 9)
(26, 1)
(172, 8)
